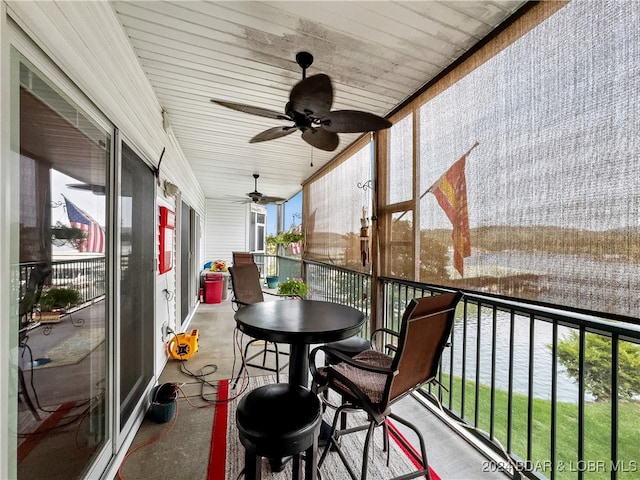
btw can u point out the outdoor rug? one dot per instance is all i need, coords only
(226, 459)
(75, 348)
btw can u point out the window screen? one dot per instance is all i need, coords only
(553, 185)
(334, 205)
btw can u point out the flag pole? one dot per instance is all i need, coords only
(441, 176)
(439, 179)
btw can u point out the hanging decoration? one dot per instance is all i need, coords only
(364, 224)
(364, 238)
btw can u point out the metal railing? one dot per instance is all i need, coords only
(519, 374)
(283, 267)
(86, 275)
(340, 285)
(529, 382)
(326, 282)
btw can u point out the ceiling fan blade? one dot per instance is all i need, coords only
(352, 121)
(312, 96)
(265, 200)
(273, 133)
(261, 112)
(321, 139)
(96, 189)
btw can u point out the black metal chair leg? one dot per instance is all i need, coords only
(275, 347)
(365, 453)
(385, 439)
(296, 468)
(243, 365)
(423, 448)
(310, 464)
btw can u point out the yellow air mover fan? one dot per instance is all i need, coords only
(183, 345)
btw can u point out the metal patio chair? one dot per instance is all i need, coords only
(247, 290)
(372, 381)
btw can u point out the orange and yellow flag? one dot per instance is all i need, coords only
(451, 193)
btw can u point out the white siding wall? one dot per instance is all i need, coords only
(88, 43)
(227, 229)
(165, 305)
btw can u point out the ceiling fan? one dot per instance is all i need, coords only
(259, 198)
(309, 108)
(92, 187)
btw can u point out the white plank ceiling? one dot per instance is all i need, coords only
(377, 54)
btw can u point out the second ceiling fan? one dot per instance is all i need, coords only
(309, 108)
(259, 198)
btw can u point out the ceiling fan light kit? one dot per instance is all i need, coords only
(309, 108)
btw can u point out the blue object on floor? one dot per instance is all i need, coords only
(40, 361)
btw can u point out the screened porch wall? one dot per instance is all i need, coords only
(548, 160)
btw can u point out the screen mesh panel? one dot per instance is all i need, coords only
(334, 205)
(553, 185)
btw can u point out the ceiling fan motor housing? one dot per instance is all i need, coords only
(258, 197)
(309, 108)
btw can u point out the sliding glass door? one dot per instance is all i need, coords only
(189, 254)
(59, 333)
(136, 282)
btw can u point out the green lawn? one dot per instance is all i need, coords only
(596, 463)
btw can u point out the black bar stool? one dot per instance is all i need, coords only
(276, 421)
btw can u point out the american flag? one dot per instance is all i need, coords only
(296, 247)
(94, 242)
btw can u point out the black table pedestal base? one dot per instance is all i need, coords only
(278, 464)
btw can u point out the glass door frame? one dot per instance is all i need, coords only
(23, 51)
(125, 433)
(20, 47)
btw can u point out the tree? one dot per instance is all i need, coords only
(597, 368)
(433, 258)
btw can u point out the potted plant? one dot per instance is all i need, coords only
(293, 286)
(55, 301)
(63, 235)
(278, 243)
(272, 281)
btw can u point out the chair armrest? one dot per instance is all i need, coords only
(327, 351)
(379, 331)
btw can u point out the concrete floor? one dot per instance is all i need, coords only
(450, 455)
(183, 453)
(57, 439)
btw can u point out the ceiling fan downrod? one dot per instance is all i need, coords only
(304, 59)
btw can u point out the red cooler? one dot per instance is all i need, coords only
(213, 288)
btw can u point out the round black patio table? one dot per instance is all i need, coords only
(299, 323)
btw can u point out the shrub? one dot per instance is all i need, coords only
(293, 287)
(59, 298)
